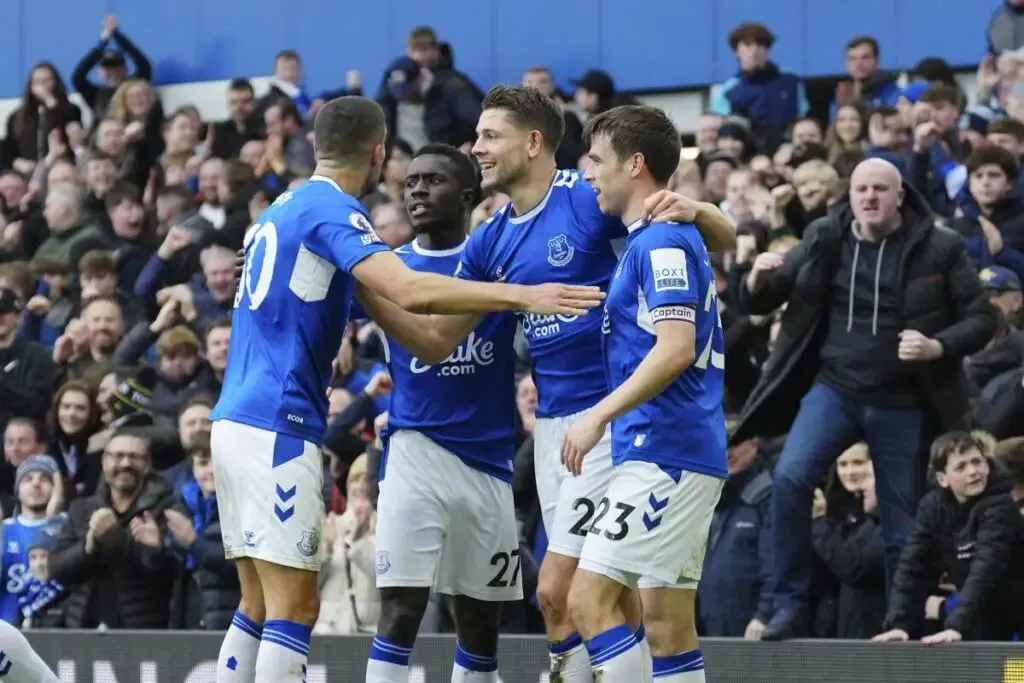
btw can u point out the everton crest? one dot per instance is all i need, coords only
(560, 251)
(309, 543)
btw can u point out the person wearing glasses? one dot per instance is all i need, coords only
(114, 581)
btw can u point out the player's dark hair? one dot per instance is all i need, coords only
(468, 177)
(347, 129)
(639, 129)
(529, 108)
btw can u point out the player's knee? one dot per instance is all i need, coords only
(553, 584)
(669, 621)
(401, 611)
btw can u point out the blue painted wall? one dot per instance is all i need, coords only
(644, 44)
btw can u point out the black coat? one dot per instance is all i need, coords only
(942, 298)
(977, 546)
(855, 554)
(141, 577)
(207, 596)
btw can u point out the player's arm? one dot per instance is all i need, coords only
(665, 275)
(431, 338)
(674, 350)
(718, 232)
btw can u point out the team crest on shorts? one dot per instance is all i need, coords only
(383, 562)
(308, 544)
(560, 251)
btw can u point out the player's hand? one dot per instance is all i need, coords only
(180, 527)
(379, 385)
(581, 438)
(668, 206)
(109, 27)
(914, 346)
(557, 299)
(102, 523)
(145, 531)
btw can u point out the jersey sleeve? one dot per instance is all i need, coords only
(666, 268)
(473, 261)
(346, 242)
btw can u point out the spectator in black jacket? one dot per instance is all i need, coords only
(967, 530)
(112, 579)
(884, 305)
(853, 551)
(28, 376)
(206, 592)
(735, 596)
(113, 68)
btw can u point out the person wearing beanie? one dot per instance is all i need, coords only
(38, 501)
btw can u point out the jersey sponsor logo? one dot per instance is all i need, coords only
(606, 323)
(309, 544)
(684, 313)
(471, 354)
(560, 251)
(669, 266)
(540, 326)
(18, 576)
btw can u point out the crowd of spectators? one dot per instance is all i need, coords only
(900, 360)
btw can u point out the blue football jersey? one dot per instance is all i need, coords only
(564, 239)
(18, 537)
(665, 274)
(466, 404)
(292, 307)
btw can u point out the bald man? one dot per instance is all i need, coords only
(883, 306)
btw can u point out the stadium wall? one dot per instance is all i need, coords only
(647, 44)
(190, 657)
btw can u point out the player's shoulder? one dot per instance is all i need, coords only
(667, 234)
(569, 190)
(490, 228)
(11, 521)
(319, 200)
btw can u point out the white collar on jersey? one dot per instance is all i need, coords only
(325, 179)
(437, 252)
(636, 225)
(532, 213)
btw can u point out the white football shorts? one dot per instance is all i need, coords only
(568, 504)
(443, 525)
(651, 530)
(269, 495)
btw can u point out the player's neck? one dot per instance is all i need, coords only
(441, 238)
(350, 181)
(635, 208)
(532, 190)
